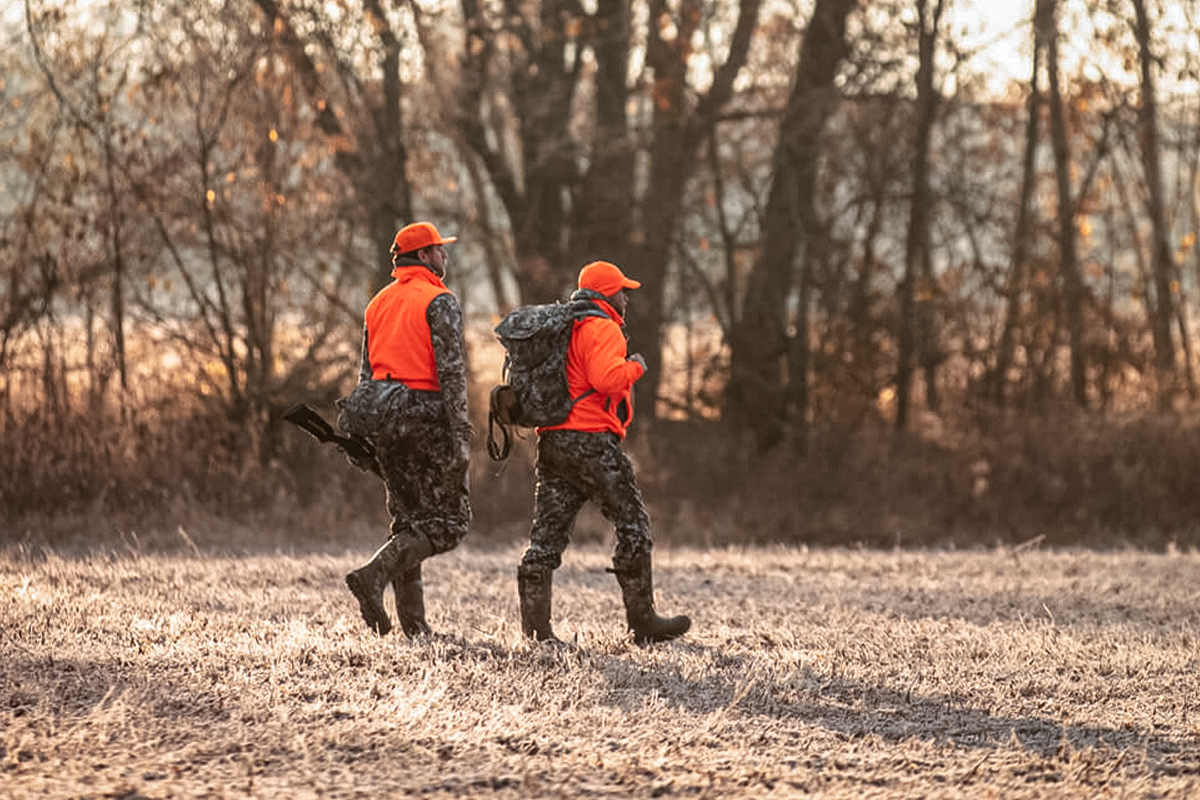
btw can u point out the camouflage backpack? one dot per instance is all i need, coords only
(535, 390)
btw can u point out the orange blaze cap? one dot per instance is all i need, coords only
(418, 236)
(605, 278)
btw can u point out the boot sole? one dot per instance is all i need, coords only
(369, 606)
(412, 629)
(685, 625)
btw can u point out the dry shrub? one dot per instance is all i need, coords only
(170, 460)
(183, 462)
(851, 487)
(1071, 478)
(1083, 478)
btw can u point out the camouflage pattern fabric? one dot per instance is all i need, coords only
(536, 339)
(373, 406)
(446, 331)
(574, 467)
(425, 474)
(422, 439)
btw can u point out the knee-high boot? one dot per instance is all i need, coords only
(637, 590)
(535, 585)
(367, 583)
(410, 603)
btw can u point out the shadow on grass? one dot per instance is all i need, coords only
(1067, 612)
(854, 710)
(728, 690)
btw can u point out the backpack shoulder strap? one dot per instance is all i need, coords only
(583, 303)
(500, 404)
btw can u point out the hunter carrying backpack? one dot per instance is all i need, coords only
(535, 390)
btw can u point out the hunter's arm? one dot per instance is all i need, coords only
(446, 332)
(364, 369)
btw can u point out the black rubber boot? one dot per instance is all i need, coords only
(368, 582)
(535, 586)
(410, 603)
(637, 589)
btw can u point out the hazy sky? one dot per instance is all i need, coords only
(1001, 28)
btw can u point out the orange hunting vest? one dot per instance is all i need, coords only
(398, 341)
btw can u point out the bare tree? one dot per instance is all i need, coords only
(522, 67)
(561, 143)
(1046, 18)
(1019, 269)
(916, 334)
(225, 217)
(757, 396)
(32, 235)
(1162, 263)
(682, 120)
(362, 116)
(90, 101)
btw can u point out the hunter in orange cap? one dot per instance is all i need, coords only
(416, 237)
(605, 278)
(581, 460)
(411, 405)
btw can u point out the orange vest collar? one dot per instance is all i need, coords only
(409, 271)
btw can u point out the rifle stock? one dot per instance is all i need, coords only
(359, 450)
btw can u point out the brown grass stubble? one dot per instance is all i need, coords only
(825, 673)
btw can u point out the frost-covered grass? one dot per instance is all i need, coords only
(820, 673)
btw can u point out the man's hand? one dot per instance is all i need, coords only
(639, 358)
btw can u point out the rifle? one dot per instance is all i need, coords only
(360, 452)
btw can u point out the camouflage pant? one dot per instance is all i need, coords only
(424, 468)
(574, 467)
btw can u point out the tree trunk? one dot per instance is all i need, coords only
(1193, 179)
(1005, 352)
(385, 177)
(1162, 264)
(377, 164)
(116, 236)
(756, 394)
(1073, 289)
(679, 129)
(602, 212)
(914, 299)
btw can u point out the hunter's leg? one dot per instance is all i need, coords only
(615, 489)
(556, 504)
(437, 506)
(410, 603)
(405, 548)
(399, 555)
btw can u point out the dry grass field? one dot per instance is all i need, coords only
(815, 673)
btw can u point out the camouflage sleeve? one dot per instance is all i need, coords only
(446, 332)
(364, 369)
